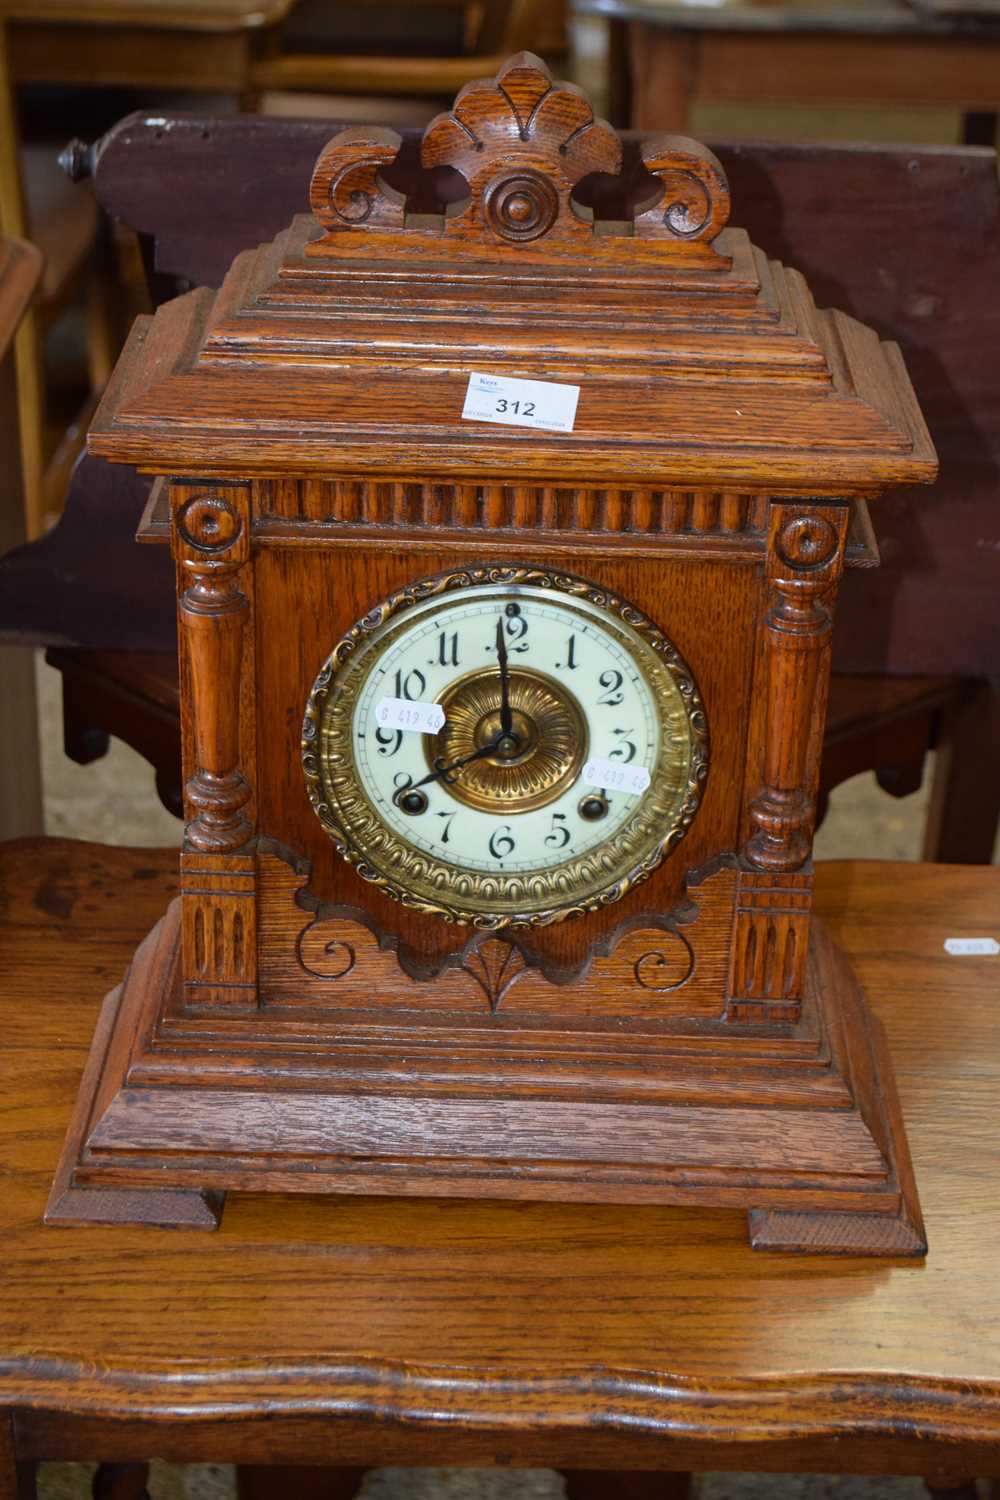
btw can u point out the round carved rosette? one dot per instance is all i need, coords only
(521, 206)
(208, 523)
(806, 542)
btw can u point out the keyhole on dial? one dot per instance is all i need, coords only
(414, 802)
(593, 807)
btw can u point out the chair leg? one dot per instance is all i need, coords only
(623, 1484)
(305, 1482)
(120, 1482)
(965, 1490)
(965, 799)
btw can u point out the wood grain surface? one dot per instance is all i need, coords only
(488, 1332)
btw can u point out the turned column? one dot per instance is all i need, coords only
(211, 535)
(805, 556)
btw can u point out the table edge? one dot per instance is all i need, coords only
(696, 18)
(769, 1409)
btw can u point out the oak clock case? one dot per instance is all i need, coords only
(645, 1013)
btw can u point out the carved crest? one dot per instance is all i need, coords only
(522, 144)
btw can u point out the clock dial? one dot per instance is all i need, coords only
(505, 745)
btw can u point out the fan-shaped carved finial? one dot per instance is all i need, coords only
(523, 143)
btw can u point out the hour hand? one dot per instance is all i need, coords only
(442, 772)
(506, 717)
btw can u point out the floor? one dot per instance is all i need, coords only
(216, 1482)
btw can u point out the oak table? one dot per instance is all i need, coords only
(371, 1331)
(668, 54)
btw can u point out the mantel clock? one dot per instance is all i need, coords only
(509, 492)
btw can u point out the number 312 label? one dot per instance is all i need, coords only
(521, 403)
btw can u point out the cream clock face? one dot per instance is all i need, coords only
(504, 746)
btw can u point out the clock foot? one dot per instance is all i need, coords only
(155, 1207)
(831, 1233)
(71, 1202)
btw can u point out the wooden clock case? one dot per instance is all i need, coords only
(286, 1027)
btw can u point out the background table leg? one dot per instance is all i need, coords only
(305, 1482)
(622, 1484)
(120, 1482)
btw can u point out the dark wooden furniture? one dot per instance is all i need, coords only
(36, 202)
(933, 215)
(390, 51)
(20, 781)
(370, 1331)
(667, 54)
(597, 998)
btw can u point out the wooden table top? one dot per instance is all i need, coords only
(876, 16)
(511, 1331)
(160, 15)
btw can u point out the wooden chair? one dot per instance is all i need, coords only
(20, 784)
(321, 49)
(65, 224)
(902, 238)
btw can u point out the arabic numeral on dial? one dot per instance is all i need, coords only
(516, 628)
(410, 685)
(611, 681)
(388, 741)
(625, 749)
(501, 844)
(447, 650)
(569, 665)
(448, 818)
(558, 835)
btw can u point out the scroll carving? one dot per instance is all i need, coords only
(692, 197)
(211, 543)
(805, 557)
(341, 946)
(347, 187)
(522, 143)
(653, 965)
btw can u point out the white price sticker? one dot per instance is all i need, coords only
(966, 946)
(400, 713)
(612, 776)
(521, 403)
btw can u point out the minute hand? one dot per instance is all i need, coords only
(506, 717)
(443, 772)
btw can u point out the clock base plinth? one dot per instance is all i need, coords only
(818, 1159)
(71, 1202)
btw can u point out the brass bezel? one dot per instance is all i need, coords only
(483, 899)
